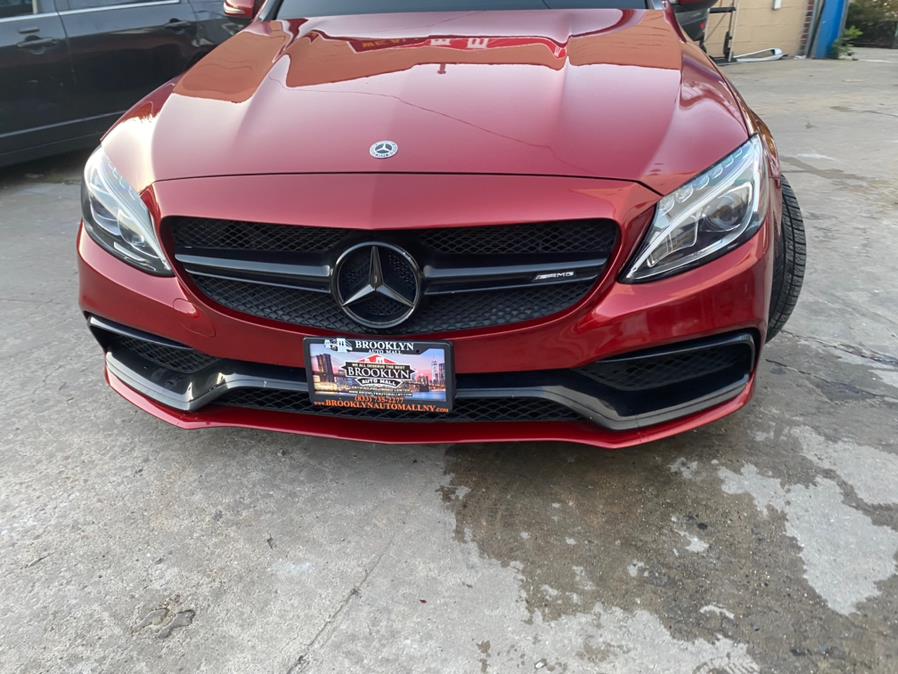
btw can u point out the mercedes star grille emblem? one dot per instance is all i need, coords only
(377, 284)
(384, 149)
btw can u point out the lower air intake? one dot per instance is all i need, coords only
(465, 409)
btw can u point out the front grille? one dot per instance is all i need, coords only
(655, 370)
(249, 236)
(232, 264)
(464, 410)
(566, 237)
(440, 313)
(183, 360)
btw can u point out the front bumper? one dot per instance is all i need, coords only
(713, 379)
(413, 434)
(621, 394)
(725, 298)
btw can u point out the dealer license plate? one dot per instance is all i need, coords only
(380, 374)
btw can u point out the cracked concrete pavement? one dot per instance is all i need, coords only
(764, 543)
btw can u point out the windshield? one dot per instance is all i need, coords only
(296, 9)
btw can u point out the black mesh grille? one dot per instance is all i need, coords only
(651, 372)
(436, 314)
(465, 409)
(458, 247)
(185, 361)
(549, 238)
(249, 236)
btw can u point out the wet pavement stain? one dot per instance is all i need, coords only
(668, 531)
(882, 190)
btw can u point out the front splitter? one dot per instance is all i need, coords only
(391, 432)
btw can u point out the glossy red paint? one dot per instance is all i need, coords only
(592, 93)
(577, 114)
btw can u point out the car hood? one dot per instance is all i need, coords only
(613, 94)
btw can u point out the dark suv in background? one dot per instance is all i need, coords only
(693, 17)
(70, 68)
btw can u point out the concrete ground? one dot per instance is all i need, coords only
(766, 542)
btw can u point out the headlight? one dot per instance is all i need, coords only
(707, 217)
(117, 219)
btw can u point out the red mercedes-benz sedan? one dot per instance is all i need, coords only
(441, 221)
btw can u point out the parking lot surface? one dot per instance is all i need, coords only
(766, 542)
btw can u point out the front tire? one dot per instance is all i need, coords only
(789, 264)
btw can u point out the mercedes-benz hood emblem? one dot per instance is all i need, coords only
(384, 149)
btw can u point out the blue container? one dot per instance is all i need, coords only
(832, 23)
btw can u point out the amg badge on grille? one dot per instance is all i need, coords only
(377, 285)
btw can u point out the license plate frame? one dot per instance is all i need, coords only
(380, 374)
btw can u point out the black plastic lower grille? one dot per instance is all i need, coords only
(185, 361)
(465, 409)
(436, 314)
(639, 385)
(644, 371)
(649, 371)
